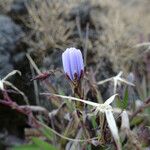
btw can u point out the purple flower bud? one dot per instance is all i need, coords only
(73, 63)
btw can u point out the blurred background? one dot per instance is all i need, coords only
(113, 35)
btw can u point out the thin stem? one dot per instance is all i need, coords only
(141, 108)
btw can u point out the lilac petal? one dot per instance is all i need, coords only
(66, 64)
(73, 61)
(77, 63)
(80, 62)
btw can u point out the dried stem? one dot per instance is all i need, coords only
(141, 108)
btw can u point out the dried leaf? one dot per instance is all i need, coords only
(113, 128)
(110, 100)
(125, 120)
(11, 73)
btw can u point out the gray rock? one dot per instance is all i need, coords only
(19, 7)
(10, 37)
(10, 34)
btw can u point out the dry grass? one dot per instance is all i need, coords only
(123, 24)
(5, 5)
(48, 26)
(51, 25)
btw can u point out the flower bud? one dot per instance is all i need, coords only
(73, 63)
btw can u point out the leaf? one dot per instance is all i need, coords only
(70, 106)
(103, 81)
(125, 120)
(11, 74)
(93, 119)
(119, 102)
(125, 81)
(47, 132)
(89, 147)
(73, 98)
(113, 128)
(110, 100)
(136, 121)
(123, 103)
(1, 85)
(26, 147)
(42, 144)
(38, 144)
(125, 99)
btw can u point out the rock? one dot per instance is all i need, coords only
(19, 7)
(12, 56)
(5, 66)
(10, 36)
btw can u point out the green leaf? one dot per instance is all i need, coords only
(70, 106)
(123, 103)
(26, 147)
(38, 144)
(47, 132)
(125, 99)
(136, 121)
(42, 144)
(119, 102)
(89, 147)
(93, 119)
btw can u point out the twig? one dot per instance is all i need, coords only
(142, 44)
(33, 64)
(26, 111)
(35, 108)
(86, 43)
(46, 83)
(141, 108)
(79, 28)
(35, 86)
(67, 138)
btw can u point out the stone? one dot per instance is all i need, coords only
(10, 36)
(18, 7)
